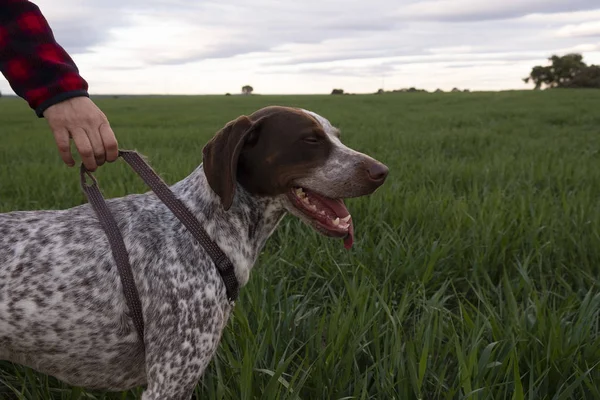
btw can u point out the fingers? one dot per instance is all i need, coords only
(110, 142)
(84, 146)
(93, 135)
(94, 146)
(83, 121)
(61, 136)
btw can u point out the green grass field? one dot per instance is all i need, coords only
(475, 271)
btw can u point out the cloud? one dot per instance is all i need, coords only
(174, 32)
(193, 46)
(429, 42)
(585, 29)
(562, 17)
(476, 10)
(78, 26)
(391, 65)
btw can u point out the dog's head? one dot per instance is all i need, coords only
(295, 155)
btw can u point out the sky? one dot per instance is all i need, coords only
(313, 46)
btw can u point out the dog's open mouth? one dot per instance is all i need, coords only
(329, 216)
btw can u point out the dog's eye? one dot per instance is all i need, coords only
(311, 139)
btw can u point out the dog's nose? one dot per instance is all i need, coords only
(377, 171)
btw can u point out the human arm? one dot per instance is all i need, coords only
(41, 72)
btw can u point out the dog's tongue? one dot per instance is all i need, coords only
(349, 239)
(336, 205)
(339, 208)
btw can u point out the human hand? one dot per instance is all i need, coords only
(79, 118)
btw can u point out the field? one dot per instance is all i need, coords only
(475, 270)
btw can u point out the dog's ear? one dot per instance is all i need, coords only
(220, 158)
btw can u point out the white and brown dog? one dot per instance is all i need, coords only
(62, 309)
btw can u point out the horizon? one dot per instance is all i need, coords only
(240, 94)
(157, 47)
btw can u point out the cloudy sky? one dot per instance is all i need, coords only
(312, 46)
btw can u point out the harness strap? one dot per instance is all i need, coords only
(119, 251)
(164, 193)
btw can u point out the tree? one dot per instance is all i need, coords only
(588, 77)
(568, 71)
(540, 75)
(566, 67)
(337, 91)
(247, 89)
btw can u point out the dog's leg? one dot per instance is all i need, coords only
(180, 342)
(174, 377)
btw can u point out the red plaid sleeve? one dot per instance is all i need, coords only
(37, 68)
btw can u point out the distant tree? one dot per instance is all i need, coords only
(247, 89)
(566, 67)
(539, 76)
(588, 77)
(568, 71)
(337, 91)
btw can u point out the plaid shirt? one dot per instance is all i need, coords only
(37, 68)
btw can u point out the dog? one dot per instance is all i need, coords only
(62, 309)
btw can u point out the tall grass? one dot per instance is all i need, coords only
(475, 269)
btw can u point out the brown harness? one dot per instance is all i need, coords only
(119, 251)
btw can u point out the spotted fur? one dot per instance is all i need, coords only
(62, 311)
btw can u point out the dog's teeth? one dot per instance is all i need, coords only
(336, 221)
(346, 219)
(312, 207)
(300, 193)
(305, 199)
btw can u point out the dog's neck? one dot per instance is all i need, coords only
(242, 231)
